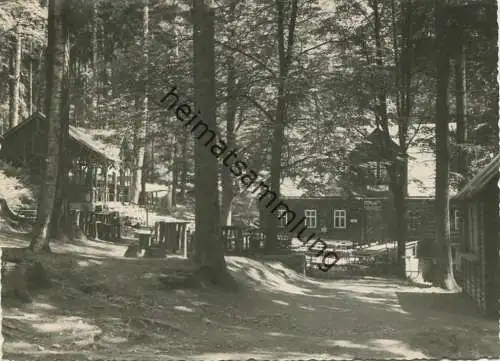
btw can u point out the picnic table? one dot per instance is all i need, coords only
(171, 234)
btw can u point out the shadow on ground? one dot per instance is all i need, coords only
(102, 306)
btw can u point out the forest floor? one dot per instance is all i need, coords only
(102, 306)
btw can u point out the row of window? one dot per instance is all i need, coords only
(340, 219)
(311, 218)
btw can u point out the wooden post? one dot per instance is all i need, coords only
(180, 233)
(106, 189)
(185, 242)
(115, 186)
(89, 181)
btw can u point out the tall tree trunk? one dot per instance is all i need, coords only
(404, 70)
(443, 273)
(138, 154)
(208, 247)
(102, 76)
(16, 80)
(109, 84)
(95, 65)
(55, 66)
(171, 163)
(30, 81)
(461, 108)
(231, 108)
(145, 159)
(175, 173)
(138, 178)
(285, 56)
(7, 126)
(59, 220)
(183, 164)
(40, 91)
(397, 170)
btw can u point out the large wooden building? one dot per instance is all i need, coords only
(479, 251)
(359, 207)
(366, 219)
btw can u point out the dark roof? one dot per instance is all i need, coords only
(480, 180)
(85, 139)
(372, 147)
(79, 135)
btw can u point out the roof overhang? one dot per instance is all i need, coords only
(480, 180)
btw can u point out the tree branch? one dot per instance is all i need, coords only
(244, 53)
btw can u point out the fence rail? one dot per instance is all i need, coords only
(246, 240)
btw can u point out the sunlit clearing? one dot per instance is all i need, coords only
(183, 308)
(265, 277)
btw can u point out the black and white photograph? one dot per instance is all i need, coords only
(249, 180)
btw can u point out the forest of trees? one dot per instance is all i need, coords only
(275, 77)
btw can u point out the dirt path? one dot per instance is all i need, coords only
(103, 307)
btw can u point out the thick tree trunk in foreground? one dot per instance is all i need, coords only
(443, 273)
(208, 247)
(55, 66)
(59, 220)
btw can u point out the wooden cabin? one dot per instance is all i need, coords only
(363, 219)
(332, 218)
(95, 175)
(479, 251)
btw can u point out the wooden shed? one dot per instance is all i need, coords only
(479, 250)
(95, 168)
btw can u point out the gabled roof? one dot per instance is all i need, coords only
(86, 138)
(480, 180)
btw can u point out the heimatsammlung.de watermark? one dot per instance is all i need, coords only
(187, 115)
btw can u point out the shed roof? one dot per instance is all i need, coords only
(480, 180)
